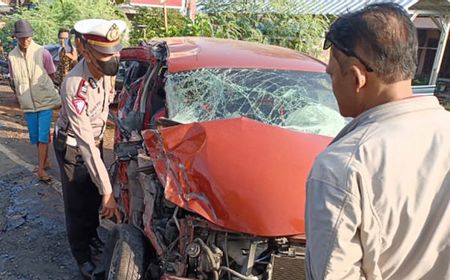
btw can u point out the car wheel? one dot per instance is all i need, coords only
(125, 253)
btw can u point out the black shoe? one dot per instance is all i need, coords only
(87, 270)
(99, 276)
(96, 248)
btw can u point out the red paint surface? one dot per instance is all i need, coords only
(137, 53)
(189, 53)
(239, 174)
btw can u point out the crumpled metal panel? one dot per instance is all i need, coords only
(239, 174)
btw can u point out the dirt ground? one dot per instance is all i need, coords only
(33, 242)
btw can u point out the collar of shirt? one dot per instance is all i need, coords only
(87, 74)
(389, 110)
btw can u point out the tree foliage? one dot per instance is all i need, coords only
(48, 16)
(255, 21)
(149, 23)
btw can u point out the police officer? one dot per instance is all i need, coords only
(86, 94)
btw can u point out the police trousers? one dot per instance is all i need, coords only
(81, 201)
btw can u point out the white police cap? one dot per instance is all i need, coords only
(102, 35)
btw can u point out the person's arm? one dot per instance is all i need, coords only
(334, 215)
(49, 65)
(11, 77)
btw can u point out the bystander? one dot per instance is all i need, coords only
(68, 55)
(378, 198)
(32, 73)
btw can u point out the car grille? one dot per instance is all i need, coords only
(288, 268)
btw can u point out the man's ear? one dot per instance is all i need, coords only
(360, 77)
(87, 56)
(79, 45)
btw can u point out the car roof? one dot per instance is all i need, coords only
(191, 53)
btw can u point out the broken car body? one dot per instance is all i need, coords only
(214, 142)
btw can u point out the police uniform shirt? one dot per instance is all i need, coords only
(85, 106)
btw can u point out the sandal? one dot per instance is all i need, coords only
(36, 169)
(45, 179)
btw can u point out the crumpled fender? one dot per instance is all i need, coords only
(239, 174)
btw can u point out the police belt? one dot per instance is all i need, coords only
(72, 141)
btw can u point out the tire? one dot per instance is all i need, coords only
(125, 253)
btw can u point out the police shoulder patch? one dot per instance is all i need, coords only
(79, 104)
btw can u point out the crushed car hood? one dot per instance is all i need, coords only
(239, 174)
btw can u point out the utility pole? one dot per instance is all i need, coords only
(143, 26)
(166, 25)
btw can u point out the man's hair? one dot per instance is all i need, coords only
(385, 38)
(62, 30)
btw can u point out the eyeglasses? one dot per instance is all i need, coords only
(348, 52)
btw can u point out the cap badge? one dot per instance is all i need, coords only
(113, 33)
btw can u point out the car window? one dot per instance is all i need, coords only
(121, 73)
(134, 71)
(128, 71)
(291, 99)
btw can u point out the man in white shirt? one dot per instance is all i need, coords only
(378, 198)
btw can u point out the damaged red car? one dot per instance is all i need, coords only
(214, 142)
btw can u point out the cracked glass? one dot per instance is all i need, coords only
(301, 101)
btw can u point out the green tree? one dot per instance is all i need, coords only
(149, 23)
(271, 22)
(238, 19)
(48, 16)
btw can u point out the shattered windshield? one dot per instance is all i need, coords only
(291, 99)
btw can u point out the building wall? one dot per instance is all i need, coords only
(428, 43)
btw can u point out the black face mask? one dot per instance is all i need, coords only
(110, 67)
